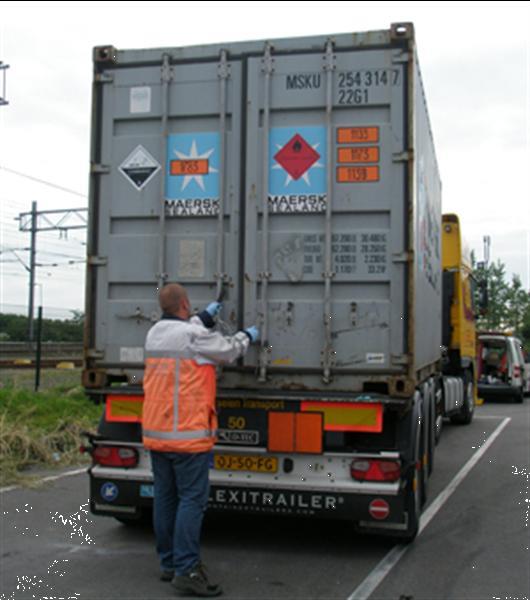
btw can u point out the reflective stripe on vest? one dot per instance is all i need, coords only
(180, 435)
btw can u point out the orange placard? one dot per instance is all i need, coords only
(341, 416)
(357, 135)
(357, 174)
(124, 409)
(295, 432)
(366, 154)
(281, 432)
(197, 166)
(308, 433)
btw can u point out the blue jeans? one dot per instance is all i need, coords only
(181, 496)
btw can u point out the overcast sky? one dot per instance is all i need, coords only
(475, 64)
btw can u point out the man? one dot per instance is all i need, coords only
(179, 426)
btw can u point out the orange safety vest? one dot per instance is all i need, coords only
(180, 384)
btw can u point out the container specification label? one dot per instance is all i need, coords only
(363, 253)
(192, 174)
(297, 169)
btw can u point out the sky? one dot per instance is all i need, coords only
(475, 61)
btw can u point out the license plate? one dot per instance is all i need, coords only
(256, 464)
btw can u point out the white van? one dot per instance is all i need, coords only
(501, 367)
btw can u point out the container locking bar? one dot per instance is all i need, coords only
(264, 276)
(165, 78)
(223, 73)
(327, 352)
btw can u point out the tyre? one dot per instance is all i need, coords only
(465, 415)
(413, 502)
(519, 396)
(416, 490)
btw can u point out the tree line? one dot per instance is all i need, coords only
(14, 328)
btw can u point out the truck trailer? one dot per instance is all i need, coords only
(296, 178)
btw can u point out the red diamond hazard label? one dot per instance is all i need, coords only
(297, 156)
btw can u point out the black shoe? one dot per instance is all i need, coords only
(166, 575)
(195, 583)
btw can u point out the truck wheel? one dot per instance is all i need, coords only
(519, 396)
(415, 491)
(465, 416)
(413, 501)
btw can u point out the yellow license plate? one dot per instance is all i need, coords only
(235, 462)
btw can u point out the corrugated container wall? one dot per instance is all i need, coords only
(300, 176)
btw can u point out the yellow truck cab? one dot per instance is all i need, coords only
(458, 325)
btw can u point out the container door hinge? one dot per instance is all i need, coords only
(400, 58)
(99, 169)
(402, 156)
(400, 359)
(92, 353)
(401, 257)
(97, 261)
(103, 77)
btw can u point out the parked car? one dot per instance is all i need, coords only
(527, 373)
(501, 366)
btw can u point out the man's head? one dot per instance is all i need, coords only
(174, 301)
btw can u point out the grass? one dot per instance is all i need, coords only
(42, 429)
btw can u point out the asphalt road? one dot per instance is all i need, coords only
(475, 545)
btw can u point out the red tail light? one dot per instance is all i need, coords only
(115, 456)
(516, 371)
(374, 469)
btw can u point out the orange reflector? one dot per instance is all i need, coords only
(364, 154)
(357, 174)
(295, 432)
(124, 409)
(357, 135)
(340, 416)
(189, 167)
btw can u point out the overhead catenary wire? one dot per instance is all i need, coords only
(42, 181)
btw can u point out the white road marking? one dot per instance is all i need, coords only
(365, 589)
(46, 479)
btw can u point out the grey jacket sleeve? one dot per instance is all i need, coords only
(218, 348)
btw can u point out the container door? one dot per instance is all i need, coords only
(169, 204)
(324, 273)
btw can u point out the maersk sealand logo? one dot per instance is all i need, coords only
(297, 169)
(192, 174)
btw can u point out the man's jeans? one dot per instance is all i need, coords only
(181, 496)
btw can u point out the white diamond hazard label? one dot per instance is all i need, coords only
(139, 167)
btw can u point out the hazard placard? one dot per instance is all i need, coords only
(358, 154)
(296, 157)
(139, 167)
(357, 135)
(357, 174)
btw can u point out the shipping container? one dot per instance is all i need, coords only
(296, 179)
(300, 176)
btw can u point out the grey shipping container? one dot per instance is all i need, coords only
(299, 176)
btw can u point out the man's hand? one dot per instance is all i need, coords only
(253, 333)
(213, 309)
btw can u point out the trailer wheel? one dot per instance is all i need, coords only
(415, 490)
(465, 415)
(413, 501)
